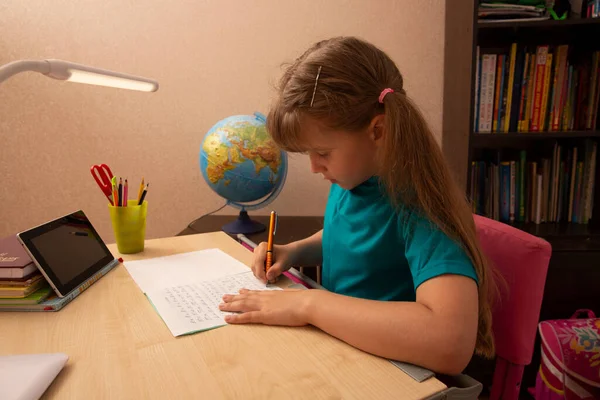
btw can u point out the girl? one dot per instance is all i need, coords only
(406, 278)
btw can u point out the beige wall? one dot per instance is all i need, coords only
(212, 59)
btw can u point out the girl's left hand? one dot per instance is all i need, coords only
(271, 307)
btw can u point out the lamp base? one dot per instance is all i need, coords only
(243, 224)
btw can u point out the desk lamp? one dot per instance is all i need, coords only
(47, 366)
(68, 71)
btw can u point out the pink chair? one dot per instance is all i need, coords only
(522, 260)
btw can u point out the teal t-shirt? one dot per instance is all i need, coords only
(372, 251)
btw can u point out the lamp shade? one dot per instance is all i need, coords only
(68, 71)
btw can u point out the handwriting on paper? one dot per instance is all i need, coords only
(195, 306)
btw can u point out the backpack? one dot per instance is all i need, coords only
(570, 359)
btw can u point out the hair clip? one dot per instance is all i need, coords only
(316, 83)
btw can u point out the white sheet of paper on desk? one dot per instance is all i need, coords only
(179, 269)
(186, 289)
(194, 307)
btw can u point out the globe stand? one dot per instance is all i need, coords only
(243, 224)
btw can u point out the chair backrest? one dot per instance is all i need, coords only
(522, 260)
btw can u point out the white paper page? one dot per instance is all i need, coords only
(194, 306)
(180, 269)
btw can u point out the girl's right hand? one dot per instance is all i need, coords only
(284, 257)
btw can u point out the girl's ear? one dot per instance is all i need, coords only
(376, 127)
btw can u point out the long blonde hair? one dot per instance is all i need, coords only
(351, 75)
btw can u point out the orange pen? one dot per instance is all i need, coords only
(272, 231)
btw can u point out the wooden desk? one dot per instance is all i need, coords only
(119, 348)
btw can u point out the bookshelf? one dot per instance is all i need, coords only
(573, 272)
(483, 139)
(503, 55)
(547, 24)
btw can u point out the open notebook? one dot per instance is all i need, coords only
(186, 289)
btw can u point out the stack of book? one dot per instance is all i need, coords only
(536, 89)
(592, 9)
(537, 190)
(497, 11)
(20, 280)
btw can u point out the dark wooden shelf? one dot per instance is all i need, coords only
(564, 236)
(551, 229)
(550, 23)
(479, 140)
(543, 135)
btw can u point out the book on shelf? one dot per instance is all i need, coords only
(536, 88)
(495, 11)
(537, 190)
(592, 9)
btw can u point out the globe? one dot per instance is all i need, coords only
(241, 163)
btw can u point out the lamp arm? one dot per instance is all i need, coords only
(15, 67)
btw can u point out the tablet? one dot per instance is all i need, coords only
(67, 251)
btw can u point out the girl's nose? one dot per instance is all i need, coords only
(315, 166)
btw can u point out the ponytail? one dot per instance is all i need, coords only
(415, 175)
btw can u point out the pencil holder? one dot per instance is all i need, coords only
(129, 226)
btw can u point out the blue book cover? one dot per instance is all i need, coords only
(503, 113)
(522, 186)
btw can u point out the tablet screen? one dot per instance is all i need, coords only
(68, 250)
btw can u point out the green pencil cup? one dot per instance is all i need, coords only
(129, 226)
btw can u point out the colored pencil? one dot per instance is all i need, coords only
(120, 192)
(143, 195)
(125, 193)
(139, 196)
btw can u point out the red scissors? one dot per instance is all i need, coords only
(103, 176)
